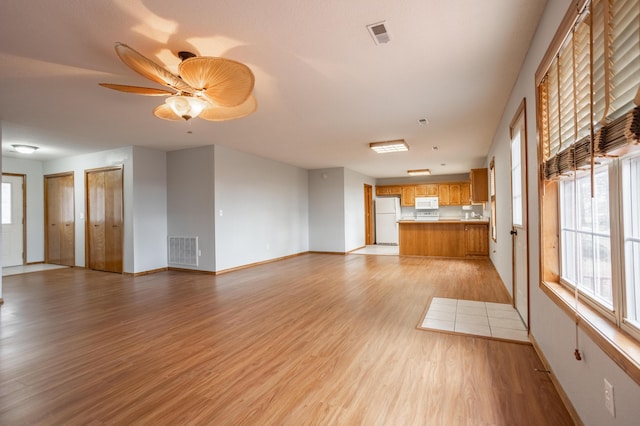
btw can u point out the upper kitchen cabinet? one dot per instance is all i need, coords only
(408, 196)
(454, 194)
(427, 190)
(388, 190)
(479, 185)
(443, 194)
(465, 194)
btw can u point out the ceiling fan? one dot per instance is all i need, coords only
(211, 88)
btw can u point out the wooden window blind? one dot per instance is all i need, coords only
(588, 90)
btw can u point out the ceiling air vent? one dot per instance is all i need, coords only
(379, 32)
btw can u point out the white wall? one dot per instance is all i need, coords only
(35, 203)
(149, 209)
(354, 208)
(0, 202)
(190, 200)
(327, 210)
(551, 327)
(265, 209)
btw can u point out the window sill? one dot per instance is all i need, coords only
(623, 349)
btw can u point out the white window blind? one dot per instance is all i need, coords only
(625, 54)
(596, 74)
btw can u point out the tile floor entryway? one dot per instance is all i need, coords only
(497, 320)
(23, 269)
(382, 249)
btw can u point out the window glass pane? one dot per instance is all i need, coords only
(585, 235)
(569, 256)
(602, 270)
(631, 209)
(568, 212)
(585, 263)
(601, 202)
(6, 203)
(584, 212)
(516, 179)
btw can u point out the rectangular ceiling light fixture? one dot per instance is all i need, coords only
(389, 146)
(419, 172)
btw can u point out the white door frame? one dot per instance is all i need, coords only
(520, 231)
(19, 207)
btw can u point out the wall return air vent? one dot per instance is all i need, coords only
(183, 251)
(379, 32)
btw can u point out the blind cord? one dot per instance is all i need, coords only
(576, 353)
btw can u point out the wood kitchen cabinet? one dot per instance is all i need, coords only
(388, 190)
(427, 190)
(465, 194)
(408, 196)
(454, 194)
(444, 238)
(479, 185)
(432, 239)
(476, 239)
(443, 194)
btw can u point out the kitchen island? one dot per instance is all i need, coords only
(444, 237)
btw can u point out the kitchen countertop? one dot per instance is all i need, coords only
(444, 220)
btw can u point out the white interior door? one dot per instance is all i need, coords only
(12, 220)
(519, 214)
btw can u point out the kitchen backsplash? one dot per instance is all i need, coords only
(447, 211)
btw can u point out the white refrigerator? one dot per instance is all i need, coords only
(387, 216)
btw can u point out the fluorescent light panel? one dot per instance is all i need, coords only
(389, 146)
(25, 149)
(419, 172)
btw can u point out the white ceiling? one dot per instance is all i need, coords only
(324, 89)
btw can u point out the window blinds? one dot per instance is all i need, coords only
(590, 86)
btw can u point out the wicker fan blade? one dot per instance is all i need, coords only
(149, 69)
(148, 91)
(166, 113)
(218, 113)
(225, 82)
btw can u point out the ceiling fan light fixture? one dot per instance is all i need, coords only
(186, 107)
(25, 149)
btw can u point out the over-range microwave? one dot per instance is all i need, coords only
(426, 203)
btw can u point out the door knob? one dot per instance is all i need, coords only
(513, 232)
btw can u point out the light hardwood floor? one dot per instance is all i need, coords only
(315, 339)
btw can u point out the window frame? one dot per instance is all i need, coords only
(608, 311)
(492, 199)
(625, 324)
(614, 337)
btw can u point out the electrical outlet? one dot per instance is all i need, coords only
(608, 398)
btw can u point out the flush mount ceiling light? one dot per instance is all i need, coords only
(215, 89)
(25, 149)
(419, 172)
(398, 145)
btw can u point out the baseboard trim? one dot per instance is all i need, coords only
(341, 253)
(556, 384)
(264, 262)
(35, 263)
(193, 271)
(356, 249)
(149, 272)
